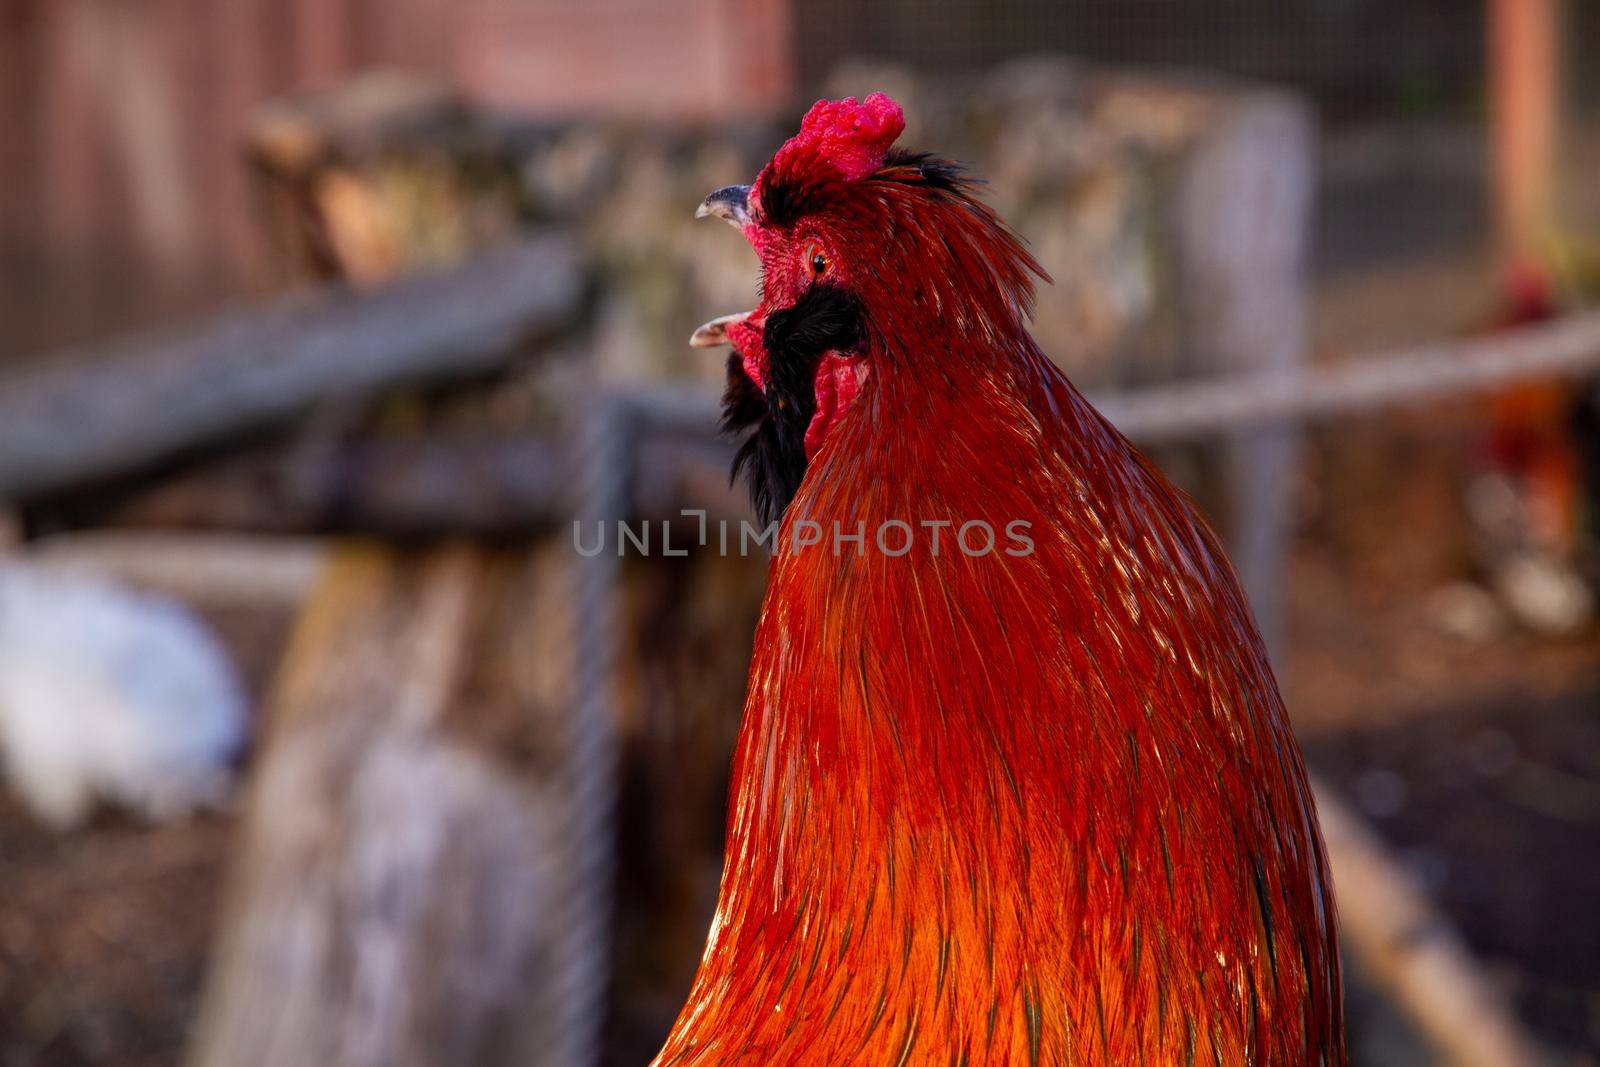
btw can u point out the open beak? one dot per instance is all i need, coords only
(731, 202)
(715, 332)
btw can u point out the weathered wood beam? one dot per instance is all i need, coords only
(77, 418)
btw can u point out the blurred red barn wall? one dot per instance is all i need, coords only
(122, 197)
(697, 58)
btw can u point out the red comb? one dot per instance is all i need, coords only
(853, 137)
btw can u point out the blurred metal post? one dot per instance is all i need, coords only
(600, 464)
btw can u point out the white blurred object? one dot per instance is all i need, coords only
(1534, 575)
(111, 694)
(1546, 595)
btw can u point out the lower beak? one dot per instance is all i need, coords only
(715, 332)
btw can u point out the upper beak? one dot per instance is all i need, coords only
(731, 202)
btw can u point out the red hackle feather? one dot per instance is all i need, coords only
(1038, 808)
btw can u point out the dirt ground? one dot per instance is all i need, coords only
(1497, 808)
(103, 935)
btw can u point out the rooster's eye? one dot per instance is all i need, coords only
(816, 260)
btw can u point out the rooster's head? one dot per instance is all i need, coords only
(876, 263)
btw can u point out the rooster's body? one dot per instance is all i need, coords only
(1034, 805)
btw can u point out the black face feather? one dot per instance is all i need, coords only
(785, 201)
(773, 455)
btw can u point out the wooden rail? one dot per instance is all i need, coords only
(78, 418)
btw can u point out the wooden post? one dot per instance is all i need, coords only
(1524, 95)
(400, 890)
(1243, 215)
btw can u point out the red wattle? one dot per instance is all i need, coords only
(838, 381)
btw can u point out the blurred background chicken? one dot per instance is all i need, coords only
(107, 694)
(1533, 496)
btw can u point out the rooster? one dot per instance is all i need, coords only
(1039, 804)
